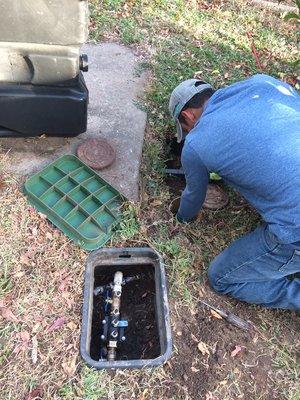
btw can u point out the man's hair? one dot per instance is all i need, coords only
(196, 101)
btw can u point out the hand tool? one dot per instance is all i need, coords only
(230, 317)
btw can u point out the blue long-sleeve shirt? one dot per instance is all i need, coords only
(249, 133)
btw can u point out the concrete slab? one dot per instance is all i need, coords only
(114, 89)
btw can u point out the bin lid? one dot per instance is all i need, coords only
(76, 200)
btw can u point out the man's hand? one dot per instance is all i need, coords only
(174, 206)
(216, 198)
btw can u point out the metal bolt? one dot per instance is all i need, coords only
(114, 334)
(84, 63)
(103, 322)
(123, 338)
(102, 337)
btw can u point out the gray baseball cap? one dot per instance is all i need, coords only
(180, 96)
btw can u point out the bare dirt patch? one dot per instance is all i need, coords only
(216, 360)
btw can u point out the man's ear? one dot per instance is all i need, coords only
(188, 115)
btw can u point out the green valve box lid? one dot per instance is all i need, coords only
(77, 200)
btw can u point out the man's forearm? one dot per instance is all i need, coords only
(193, 196)
(191, 202)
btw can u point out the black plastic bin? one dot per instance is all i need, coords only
(101, 265)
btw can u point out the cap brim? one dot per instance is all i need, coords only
(179, 129)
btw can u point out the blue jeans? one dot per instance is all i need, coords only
(258, 269)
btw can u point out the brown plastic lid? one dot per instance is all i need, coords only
(216, 198)
(97, 153)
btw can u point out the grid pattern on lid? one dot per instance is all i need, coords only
(77, 200)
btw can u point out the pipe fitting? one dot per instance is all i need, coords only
(84, 63)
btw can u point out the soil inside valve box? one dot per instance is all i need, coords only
(137, 307)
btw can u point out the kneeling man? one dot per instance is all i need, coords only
(248, 133)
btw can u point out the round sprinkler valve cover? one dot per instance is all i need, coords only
(96, 153)
(216, 198)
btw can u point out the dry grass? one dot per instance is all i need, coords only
(42, 272)
(41, 282)
(42, 290)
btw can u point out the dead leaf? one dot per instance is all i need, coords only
(69, 347)
(198, 74)
(23, 344)
(215, 314)
(223, 382)
(215, 347)
(34, 350)
(24, 336)
(2, 182)
(36, 393)
(68, 298)
(19, 274)
(49, 235)
(8, 314)
(34, 231)
(144, 394)
(31, 252)
(236, 351)
(31, 210)
(36, 327)
(203, 348)
(71, 325)
(193, 311)
(194, 338)
(156, 202)
(58, 323)
(43, 216)
(195, 369)
(63, 284)
(210, 396)
(69, 367)
(24, 260)
(255, 339)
